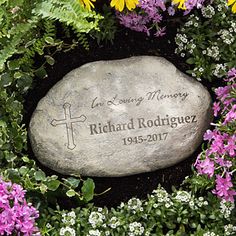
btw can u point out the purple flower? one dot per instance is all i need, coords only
(223, 188)
(223, 163)
(171, 11)
(206, 167)
(148, 15)
(231, 115)
(216, 108)
(16, 215)
(219, 158)
(231, 75)
(231, 146)
(222, 92)
(209, 135)
(160, 32)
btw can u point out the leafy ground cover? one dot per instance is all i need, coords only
(34, 35)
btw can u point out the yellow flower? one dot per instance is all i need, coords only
(87, 4)
(120, 4)
(181, 4)
(230, 2)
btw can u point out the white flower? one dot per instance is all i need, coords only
(161, 195)
(183, 196)
(68, 231)
(69, 218)
(226, 208)
(135, 228)
(134, 204)
(208, 11)
(93, 232)
(96, 218)
(107, 233)
(48, 225)
(114, 222)
(213, 52)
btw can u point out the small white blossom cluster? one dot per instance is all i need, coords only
(183, 196)
(226, 208)
(161, 196)
(135, 228)
(93, 232)
(69, 220)
(230, 229)
(197, 202)
(227, 36)
(96, 219)
(220, 70)
(201, 202)
(210, 234)
(114, 222)
(208, 11)
(135, 205)
(68, 231)
(197, 72)
(213, 52)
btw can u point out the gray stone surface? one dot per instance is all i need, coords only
(117, 118)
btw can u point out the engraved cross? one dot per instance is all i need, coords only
(68, 121)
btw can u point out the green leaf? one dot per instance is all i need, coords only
(39, 175)
(73, 182)
(25, 159)
(49, 40)
(3, 124)
(24, 82)
(71, 193)
(18, 75)
(190, 61)
(6, 80)
(23, 170)
(49, 60)
(88, 189)
(53, 184)
(13, 65)
(41, 73)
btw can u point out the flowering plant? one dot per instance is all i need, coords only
(179, 213)
(209, 50)
(149, 14)
(16, 215)
(219, 160)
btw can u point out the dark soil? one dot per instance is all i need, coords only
(126, 44)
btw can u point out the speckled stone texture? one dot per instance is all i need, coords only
(119, 118)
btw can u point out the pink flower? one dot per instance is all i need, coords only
(231, 115)
(231, 75)
(217, 145)
(231, 146)
(223, 163)
(223, 188)
(216, 108)
(206, 167)
(16, 215)
(222, 92)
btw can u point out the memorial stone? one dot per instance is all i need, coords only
(119, 118)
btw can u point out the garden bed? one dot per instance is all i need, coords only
(37, 53)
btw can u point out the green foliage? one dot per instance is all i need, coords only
(27, 32)
(180, 213)
(69, 12)
(107, 26)
(208, 41)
